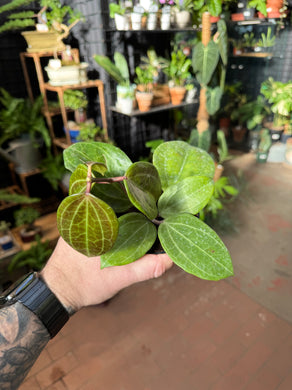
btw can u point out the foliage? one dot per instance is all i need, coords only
(20, 116)
(35, 257)
(232, 99)
(75, 99)
(177, 69)
(52, 13)
(252, 113)
(4, 227)
(249, 40)
(265, 141)
(214, 7)
(116, 9)
(144, 79)
(267, 40)
(26, 216)
(53, 170)
(260, 5)
(166, 194)
(9, 197)
(90, 132)
(118, 69)
(210, 60)
(200, 140)
(279, 96)
(153, 62)
(184, 5)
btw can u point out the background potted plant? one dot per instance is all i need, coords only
(119, 71)
(23, 127)
(51, 23)
(25, 219)
(177, 72)
(144, 91)
(182, 11)
(266, 41)
(119, 14)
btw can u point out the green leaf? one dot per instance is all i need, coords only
(214, 7)
(114, 194)
(116, 160)
(205, 60)
(223, 41)
(136, 236)
(87, 224)
(146, 177)
(214, 96)
(176, 160)
(189, 196)
(77, 182)
(195, 247)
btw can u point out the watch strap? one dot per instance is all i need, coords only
(34, 294)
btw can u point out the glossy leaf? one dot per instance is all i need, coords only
(189, 196)
(116, 160)
(146, 177)
(143, 187)
(214, 96)
(114, 194)
(136, 236)
(87, 224)
(195, 247)
(176, 160)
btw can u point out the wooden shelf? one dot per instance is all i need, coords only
(255, 55)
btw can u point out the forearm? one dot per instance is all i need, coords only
(22, 338)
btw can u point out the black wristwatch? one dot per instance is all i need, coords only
(34, 294)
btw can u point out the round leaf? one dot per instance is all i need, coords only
(189, 196)
(146, 177)
(195, 247)
(142, 200)
(136, 236)
(87, 224)
(113, 194)
(116, 160)
(176, 160)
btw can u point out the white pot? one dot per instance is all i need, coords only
(182, 18)
(69, 74)
(122, 22)
(136, 19)
(146, 4)
(151, 21)
(165, 21)
(125, 98)
(191, 95)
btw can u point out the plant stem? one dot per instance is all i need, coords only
(157, 221)
(108, 180)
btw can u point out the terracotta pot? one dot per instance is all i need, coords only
(177, 94)
(238, 133)
(144, 100)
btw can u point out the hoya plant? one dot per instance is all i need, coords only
(119, 209)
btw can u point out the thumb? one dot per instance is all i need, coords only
(148, 267)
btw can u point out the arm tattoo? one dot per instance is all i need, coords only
(22, 338)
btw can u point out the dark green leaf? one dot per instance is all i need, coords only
(205, 60)
(116, 160)
(114, 194)
(189, 196)
(136, 236)
(223, 41)
(195, 247)
(176, 160)
(143, 187)
(213, 99)
(87, 224)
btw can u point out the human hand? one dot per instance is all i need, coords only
(78, 281)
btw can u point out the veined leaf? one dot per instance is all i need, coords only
(87, 224)
(213, 99)
(136, 236)
(205, 60)
(195, 247)
(116, 160)
(143, 187)
(114, 194)
(223, 41)
(176, 160)
(77, 182)
(189, 196)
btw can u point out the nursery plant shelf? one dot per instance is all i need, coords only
(255, 55)
(163, 107)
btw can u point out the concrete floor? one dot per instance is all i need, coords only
(182, 333)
